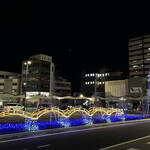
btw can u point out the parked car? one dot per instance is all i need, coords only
(13, 106)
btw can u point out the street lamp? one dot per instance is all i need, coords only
(27, 63)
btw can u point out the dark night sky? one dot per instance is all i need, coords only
(78, 35)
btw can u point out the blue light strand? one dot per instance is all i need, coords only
(13, 128)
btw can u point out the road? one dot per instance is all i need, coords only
(129, 136)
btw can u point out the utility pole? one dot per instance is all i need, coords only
(95, 91)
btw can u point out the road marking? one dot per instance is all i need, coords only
(123, 143)
(148, 143)
(41, 146)
(71, 131)
(133, 149)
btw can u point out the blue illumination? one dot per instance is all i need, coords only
(34, 125)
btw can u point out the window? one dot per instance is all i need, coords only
(14, 83)
(1, 84)
(34, 86)
(33, 71)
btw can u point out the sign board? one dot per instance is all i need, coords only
(135, 89)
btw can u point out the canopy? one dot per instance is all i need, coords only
(60, 98)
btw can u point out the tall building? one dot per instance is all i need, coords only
(139, 56)
(38, 75)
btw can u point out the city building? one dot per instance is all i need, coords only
(131, 93)
(139, 56)
(62, 87)
(137, 87)
(9, 83)
(38, 75)
(94, 83)
(117, 88)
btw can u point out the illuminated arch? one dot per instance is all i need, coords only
(63, 113)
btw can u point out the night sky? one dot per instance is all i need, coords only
(78, 35)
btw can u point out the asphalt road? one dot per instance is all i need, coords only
(130, 136)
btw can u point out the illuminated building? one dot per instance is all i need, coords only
(95, 82)
(38, 75)
(139, 56)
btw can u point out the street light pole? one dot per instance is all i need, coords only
(26, 73)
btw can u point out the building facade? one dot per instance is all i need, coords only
(139, 56)
(117, 88)
(38, 75)
(10, 83)
(62, 87)
(94, 83)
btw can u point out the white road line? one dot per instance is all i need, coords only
(123, 143)
(41, 146)
(133, 149)
(70, 131)
(148, 143)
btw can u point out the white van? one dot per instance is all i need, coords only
(13, 106)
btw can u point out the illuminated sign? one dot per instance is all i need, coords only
(135, 89)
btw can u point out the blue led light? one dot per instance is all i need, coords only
(34, 125)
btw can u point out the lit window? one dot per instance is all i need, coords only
(105, 74)
(148, 48)
(103, 82)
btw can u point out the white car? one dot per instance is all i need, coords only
(13, 106)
